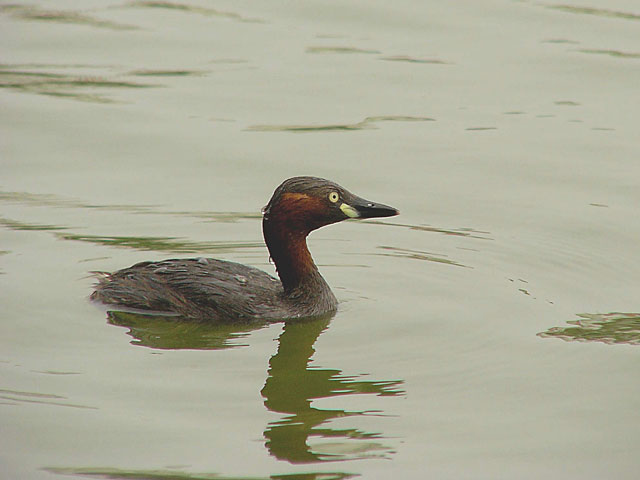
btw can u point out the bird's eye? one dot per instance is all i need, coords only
(334, 197)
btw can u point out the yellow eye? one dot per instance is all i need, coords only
(334, 197)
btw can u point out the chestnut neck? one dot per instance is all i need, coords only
(288, 250)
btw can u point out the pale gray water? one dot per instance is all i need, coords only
(505, 132)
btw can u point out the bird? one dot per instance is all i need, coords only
(219, 291)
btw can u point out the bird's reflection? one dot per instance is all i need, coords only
(304, 433)
(291, 387)
(169, 333)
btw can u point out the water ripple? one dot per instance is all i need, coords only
(186, 8)
(18, 225)
(601, 12)
(176, 474)
(168, 73)
(367, 123)
(63, 85)
(42, 199)
(29, 12)
(340, 50)
(459, 232)
(408, 59)
(418, 255)
(560, 40)
(17, 397)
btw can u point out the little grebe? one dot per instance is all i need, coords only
(219, 291)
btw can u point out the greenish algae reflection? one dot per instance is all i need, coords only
(160, 244)
(172, 333)
(611, 53)
(610, 328)
(291, 387)
(157, 244)
(171, 474)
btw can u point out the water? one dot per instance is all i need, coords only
(490, 331)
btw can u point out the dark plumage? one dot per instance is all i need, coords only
(213, 290)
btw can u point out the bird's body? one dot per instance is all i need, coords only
(208, 289)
